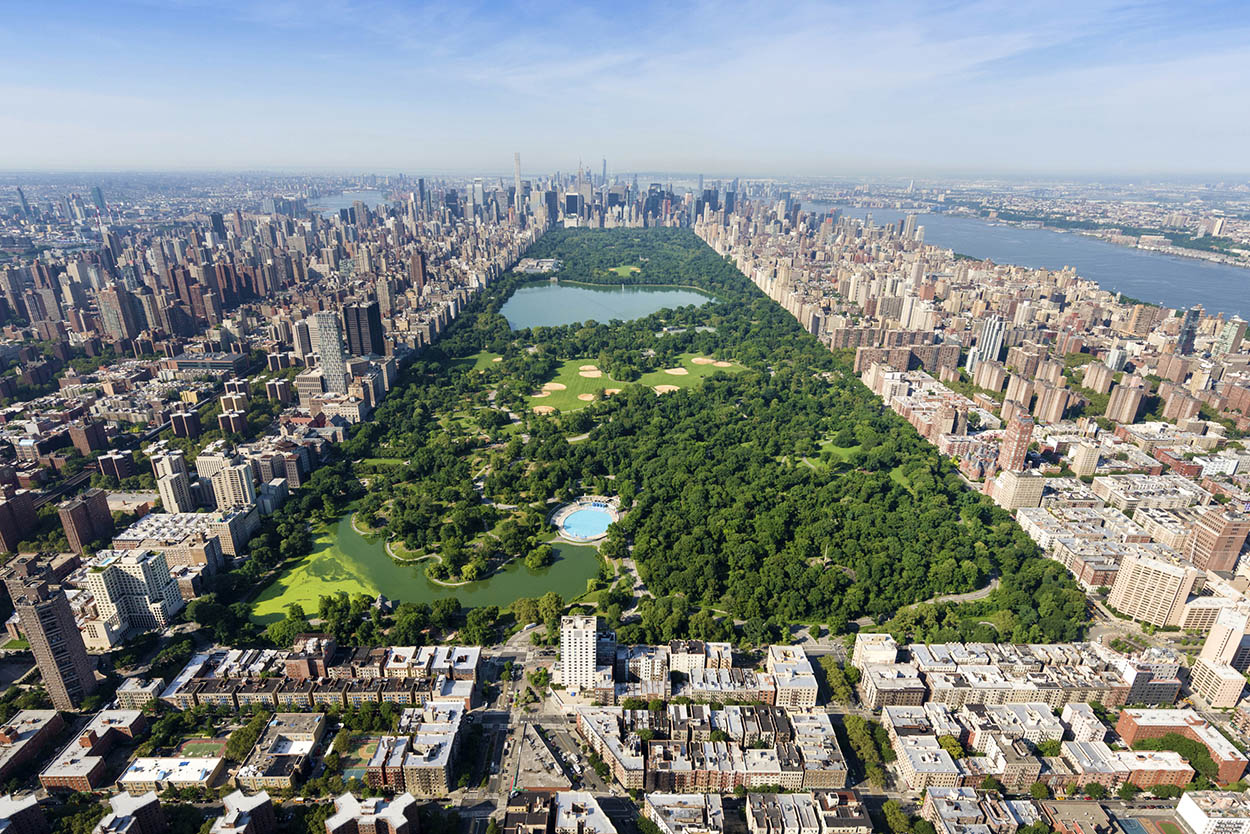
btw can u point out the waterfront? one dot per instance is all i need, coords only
(344, 560)
(1156, 278)
(334, 202)
(550, 305)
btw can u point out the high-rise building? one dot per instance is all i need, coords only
(1231, 336)
(169, 463)
(1189, 331)
(88, 436)
(1228, 641)
(989, 344)
(133, 589)
(47, 621)
(17, 517)
(233, 486)
(118, 312)
(1124, 404)
(1216, 540)
(363, 325)
(185, 423)
(1015, 444)
(1153, 590)
(86, 519)
(1085, 458)
(1013, 490)
(175, 492)
(579, 644)
(325, 329)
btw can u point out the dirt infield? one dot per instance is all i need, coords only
(554, 386)
(667, 389)
(701, 360)
(677, 371)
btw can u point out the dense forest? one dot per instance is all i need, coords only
(724, 512)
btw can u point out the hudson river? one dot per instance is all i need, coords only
(1160, 279)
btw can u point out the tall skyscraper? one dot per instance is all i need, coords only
(1124, 404)
(45, 616)
(1015, 445)
(579, 643)
(989, 344)
(363, 324)
(325, 330)
(117, 309)
(1215, 542)
(517, 203)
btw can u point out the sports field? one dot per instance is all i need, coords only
(578, 381)
(202, 748)
(356, 758)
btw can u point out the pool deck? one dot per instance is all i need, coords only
(596, 503)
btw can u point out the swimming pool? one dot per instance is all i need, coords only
(586, 523)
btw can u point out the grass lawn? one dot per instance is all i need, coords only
(16, 643)
(576, 385)
(479, 361)
(625, 270)
(1169, 827)
(841, 453)
(201, 748)
(383, 461)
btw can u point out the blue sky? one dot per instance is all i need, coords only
(721, 87)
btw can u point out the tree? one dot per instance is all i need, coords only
(895, 818)
(989, 783)
(1039, 791)
(1127, 791)
(539, 557)
(1095, 791)
(952, 746)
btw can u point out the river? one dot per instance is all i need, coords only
(1160, 279)
(333, 202)
(549, 305)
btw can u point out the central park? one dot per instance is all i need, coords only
(758, 481)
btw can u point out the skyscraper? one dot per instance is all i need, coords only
(325, 330)
(1015, 446)
(1189, 331)
(86, 518)
(133, 589)
(117, 309)
(579, 641)
(175, 492)
(363, 324)
(44, 613)
(516, 183)
(233, 487)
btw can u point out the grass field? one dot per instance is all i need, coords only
(383, 461)
(576, 386)
(16, 643)
(479, 361)
(1169, 827)
(202, 748)
(625, 270)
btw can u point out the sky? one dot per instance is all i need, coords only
(752, 88)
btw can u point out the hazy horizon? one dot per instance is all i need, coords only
(973, 89)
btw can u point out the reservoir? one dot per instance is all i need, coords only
(331, 203)
(551, 305)
(344, 560)
(1156, 278)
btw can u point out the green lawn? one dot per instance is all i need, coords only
(625, 270)
(479, 361)
(383, 461)
(16, 643)
(1169, 827)
(570, 376)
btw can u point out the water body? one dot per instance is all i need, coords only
(1160, 279)
(331, 203)
(342, 559)
(551, 305)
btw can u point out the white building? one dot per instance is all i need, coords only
(578, 648)
(1215, 812)
(329, 341)
(134, 589)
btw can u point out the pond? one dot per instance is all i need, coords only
(344, 560)
(551, 305)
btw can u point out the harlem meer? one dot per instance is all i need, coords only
(585, 510)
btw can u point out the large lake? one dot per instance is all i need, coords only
(551, 305)
(344, 560)
(1160, 279)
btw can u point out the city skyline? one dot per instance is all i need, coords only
(817, 89)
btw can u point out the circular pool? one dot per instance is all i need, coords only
(586, 524)
(586, 519)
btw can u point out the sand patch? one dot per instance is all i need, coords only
(590, 374)
(676, 371)
(588, 368)
(554, 386)
(667, 389)
(541, 394)
(585, 397)
(702, 360)
(544, 409)
(497, 359)
(723, 364)
(610, 391)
